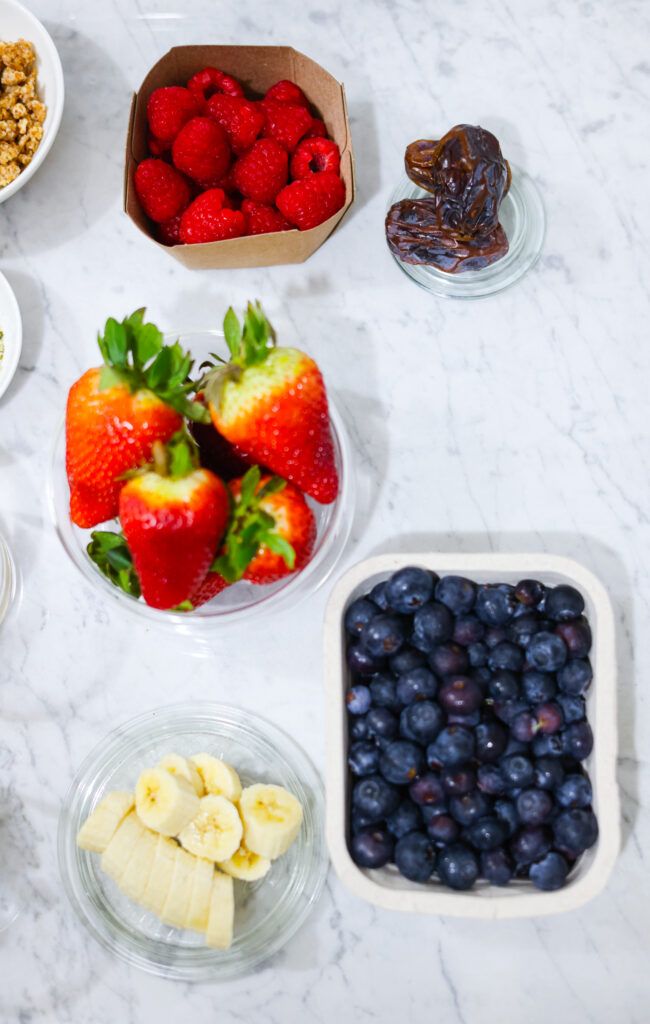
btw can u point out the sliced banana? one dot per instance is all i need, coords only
(215, 832)
(246, 865)
(134, 878)
(177, 905)
(179, 765)
(117, 854)
(165, 802)
(99, 827)
(160, 877)
(218, 934)
(199, 912)
(272, 818)
(218, 776)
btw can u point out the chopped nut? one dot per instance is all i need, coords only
(21, 112)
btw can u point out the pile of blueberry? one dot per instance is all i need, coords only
(467, 729)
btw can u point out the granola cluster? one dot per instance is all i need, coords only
(21, 112)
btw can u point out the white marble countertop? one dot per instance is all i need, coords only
(517, 422)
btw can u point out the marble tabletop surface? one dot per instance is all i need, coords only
(513, 423)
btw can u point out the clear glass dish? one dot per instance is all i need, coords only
(522, 218)
(243, 600)
(7, 578)
(267, 912)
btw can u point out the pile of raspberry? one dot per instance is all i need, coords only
(223, 166)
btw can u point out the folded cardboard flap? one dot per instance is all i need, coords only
(257, 68)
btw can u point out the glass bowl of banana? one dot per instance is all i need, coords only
(191, 841)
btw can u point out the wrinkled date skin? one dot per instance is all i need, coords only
(415, 234)
(457, 229)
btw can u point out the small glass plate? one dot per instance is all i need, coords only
(267, 912)
(522, 218)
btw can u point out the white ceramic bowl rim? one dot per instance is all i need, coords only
(12, 328)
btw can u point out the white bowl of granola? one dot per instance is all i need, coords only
(31, 96)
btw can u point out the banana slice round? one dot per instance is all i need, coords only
(218, 776)
(177, 905)
(99, 828)
(199, 911)
(272, 818)
(218, 934)
(179, 765)
(117, 854)
(158, 884)
(165, 802)
(134, 878)
(216, 830)
(246, 865)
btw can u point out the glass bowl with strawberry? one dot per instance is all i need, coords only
(213, 495)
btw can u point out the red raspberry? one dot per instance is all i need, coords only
(168, 110)
(263, 171)
(156, 146)
(169, 232)
(241, 120)
(162, 190)
(309, 202)
(285, 123)
(287, 92)
(206, 83)
(261, 218)
(317, 130)
(314, 155)
(207, 220)
(201, 151)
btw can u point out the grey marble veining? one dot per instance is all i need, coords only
(517, 422)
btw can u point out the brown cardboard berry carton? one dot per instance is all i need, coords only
(257, 68)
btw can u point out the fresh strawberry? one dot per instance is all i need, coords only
(317, 130)
(209, 219)
(212, 585)
(115, 413)
(288, 544)
(156, 146)
(313, 155)
(173, 518)
(286, 123)
(312, 200)
(262, 172)
(215, 453)
(169, 231)
(242, 120)
(287, 92)
(271, 404)
(168, 109)
(260, 218)
(209, 81)
(201, 151)
(162, 190)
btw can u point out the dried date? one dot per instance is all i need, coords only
(416, 233)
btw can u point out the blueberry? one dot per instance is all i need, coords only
(469, 807)
(418, 684)
(375, 798)
(433, 623)
(458, 866)
(487, 833)
(577, 637)
(383, 635)
(482, 676)
(506, 656)
(406, 818)
(360, 822)
(576, 829)
(431, 811)
(546, 652)
(549, 717)
(507, 710)
(449, 659)
(530, 843)
(494, 606)
(522, 629)
(358, 728)
(524, 726)
(574, 791)
(496, 866)
(421, 721)
(468, 630)
(408, 589)
(426, 790)
(358, 614)
(514, 746)
(363, 758)
(534, 806)
(443, 830)
(451, 747)
(573, 708)
(358, 700)
(549, 772)
(379, 595)
(518, 770)
(372, 849)
(361, 661)
(477, 654)
(578, 740)
(382, 724)
(507, 812)
(457, 593)
(574, 677)
(415, 857)
(401, 761)
(405, 659)
(383, 690)
(467, 721)
(495, 635)
(550, 872)
(460, 694)
(563, 603)
(538, 686)
(491, 740)
(490, 780)
(530, 593)
(548, 745)
(504, 685)
(457, 781)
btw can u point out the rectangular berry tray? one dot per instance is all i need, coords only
(385, 887)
